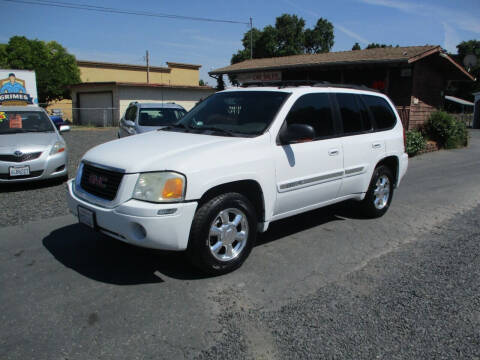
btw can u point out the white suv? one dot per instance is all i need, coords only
(239, 160)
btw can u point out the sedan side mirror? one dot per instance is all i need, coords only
(64, 128)
(296, 133)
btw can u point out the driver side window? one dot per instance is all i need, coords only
(131, 113)
(313, 110)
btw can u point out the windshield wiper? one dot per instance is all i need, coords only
(216, 129)
(175, 126)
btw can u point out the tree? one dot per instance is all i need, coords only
(3, 56)
(375, 45)
(356, 46)
(54, 67)
(320, 38)
(465, 89)
(290, 35)
(202, 83)
(287, 37)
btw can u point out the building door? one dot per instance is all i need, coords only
(96, 108)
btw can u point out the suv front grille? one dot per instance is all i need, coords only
(100, 182)
(21, 158)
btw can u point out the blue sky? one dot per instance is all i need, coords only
(124, 38)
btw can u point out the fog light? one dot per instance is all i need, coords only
(139, 231)
(166, 211)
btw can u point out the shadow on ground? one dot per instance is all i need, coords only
(31, 185)
(107, 260)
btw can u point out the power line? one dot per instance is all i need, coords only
(120, 11)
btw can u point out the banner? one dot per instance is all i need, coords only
(18, 87)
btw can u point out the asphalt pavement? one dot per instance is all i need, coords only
(326, 284)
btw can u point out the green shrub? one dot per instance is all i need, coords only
(415, 142)
(448, 132)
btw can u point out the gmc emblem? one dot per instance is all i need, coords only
(97, 180)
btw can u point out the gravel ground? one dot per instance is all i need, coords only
(421, 301)
(22, 203)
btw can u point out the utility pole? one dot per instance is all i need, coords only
(148, 67)
(251, 38)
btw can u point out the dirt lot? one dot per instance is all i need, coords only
(20, 204)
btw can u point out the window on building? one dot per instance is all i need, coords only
(382, 112)
(313, 110)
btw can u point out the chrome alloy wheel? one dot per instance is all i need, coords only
(228, 234)
(381, 192)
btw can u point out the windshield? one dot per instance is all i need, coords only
(234, 112)
(159, 116)
(12, 122)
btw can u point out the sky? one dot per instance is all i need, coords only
(125, 38)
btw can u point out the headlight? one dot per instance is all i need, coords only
(160, 187)
(57, 148)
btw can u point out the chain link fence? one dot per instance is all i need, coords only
(98, 117)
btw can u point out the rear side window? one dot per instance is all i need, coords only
(350, 113)
(382, 112)
(313, 110)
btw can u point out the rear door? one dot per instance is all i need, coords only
(360, 143)
(309, 173)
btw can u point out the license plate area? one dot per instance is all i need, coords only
(86, 217)
(19, 170)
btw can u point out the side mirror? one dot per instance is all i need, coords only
(64, 128)
(129, 123)
(296, 133)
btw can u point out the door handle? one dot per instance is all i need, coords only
(333, 152)
(376, 145)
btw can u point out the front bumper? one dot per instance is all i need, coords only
(139, 223)
(45, 167)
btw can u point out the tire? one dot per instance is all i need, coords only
(379, 194)
(216, 246)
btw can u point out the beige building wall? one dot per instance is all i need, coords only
(64, 105)
(174, 74)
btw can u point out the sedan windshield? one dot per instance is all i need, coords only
(234, 113)
(24, 121)
(160, 116)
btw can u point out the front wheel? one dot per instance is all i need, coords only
(223, 233)
(379, 194)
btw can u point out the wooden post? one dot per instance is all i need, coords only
(148, 67)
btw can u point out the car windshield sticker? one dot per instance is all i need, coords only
(2, 116)
(15, 121)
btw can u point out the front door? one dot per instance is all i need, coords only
(309, 173)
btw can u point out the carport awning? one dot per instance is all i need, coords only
(459, 101)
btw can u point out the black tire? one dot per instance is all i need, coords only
(367, 205)
(200, 240)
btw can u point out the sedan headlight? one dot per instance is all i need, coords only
(160, 187)
(58, 147)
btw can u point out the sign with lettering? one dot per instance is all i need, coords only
(18, 87)
(261, 76)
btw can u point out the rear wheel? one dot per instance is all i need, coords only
(379, 194)
(222, 234)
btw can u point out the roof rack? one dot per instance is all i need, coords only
(314, 83)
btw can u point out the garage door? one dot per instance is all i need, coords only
(96, 109)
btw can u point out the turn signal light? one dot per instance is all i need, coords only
(173, 189)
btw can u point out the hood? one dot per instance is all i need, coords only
(27, 142)
(162, 150)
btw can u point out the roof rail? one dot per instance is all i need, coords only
(315, 83)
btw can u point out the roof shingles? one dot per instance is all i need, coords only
(389, 54)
